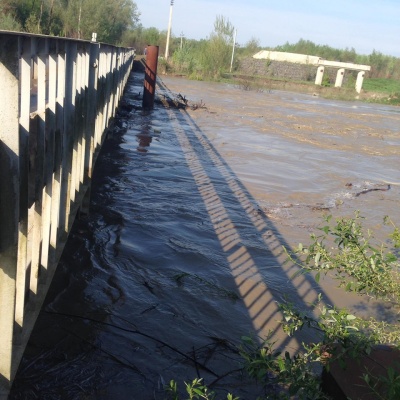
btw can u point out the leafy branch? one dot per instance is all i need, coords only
(358, 264)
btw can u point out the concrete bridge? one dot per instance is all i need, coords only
(58, 98)
(320, 64)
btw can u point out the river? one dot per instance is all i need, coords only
(182, 252)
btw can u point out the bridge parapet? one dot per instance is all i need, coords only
(58, 97)
(320, 63)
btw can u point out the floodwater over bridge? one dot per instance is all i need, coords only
(182, 251)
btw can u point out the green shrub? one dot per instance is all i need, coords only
(348, 252)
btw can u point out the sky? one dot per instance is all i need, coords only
(364, 25)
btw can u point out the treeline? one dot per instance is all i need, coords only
(382, 66)
(71, 18)
(213, 55)
(117, 22)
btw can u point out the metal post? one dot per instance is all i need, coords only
(150, 76)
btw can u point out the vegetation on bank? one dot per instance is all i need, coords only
(382, 85)
(118, 22)
(347, 252)
(389, 88)
(212, 59)
(382, 66)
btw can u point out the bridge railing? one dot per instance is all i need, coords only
(57, 97)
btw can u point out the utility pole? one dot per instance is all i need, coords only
(79, 19)
(169, 30)
(233, 48)
(181, 39)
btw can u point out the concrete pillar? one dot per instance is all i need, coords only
(360, 80)
(320, 75)
(339, 77)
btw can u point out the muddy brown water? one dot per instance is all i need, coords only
(182, 255)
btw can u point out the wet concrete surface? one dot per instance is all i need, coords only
(182, 252)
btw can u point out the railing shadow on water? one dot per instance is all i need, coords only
(250, 271)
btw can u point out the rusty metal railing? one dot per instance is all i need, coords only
(57, 97)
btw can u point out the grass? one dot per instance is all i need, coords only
(387, 90)
(381, 85)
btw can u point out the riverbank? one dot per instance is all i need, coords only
(258, 83)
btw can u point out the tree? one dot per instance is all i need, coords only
(35, 16)
(251, 47)
(223, 29)
(108, 18)
(7, 19)
(216, 52)
(71, 18)
(141, 37)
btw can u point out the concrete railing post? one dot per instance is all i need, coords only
(58, 146)
(339, 77)
(360, 80)
(9, 204)
(320, 75)
(24, 123)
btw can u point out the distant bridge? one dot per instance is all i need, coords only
(320, 64)
(58, 96)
